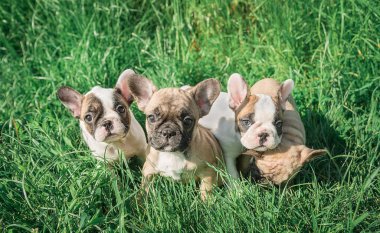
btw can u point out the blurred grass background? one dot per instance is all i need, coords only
(50, 183)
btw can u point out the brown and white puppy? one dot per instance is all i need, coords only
(108, 126)
(180, 147)
(259, 115)
(271, 129)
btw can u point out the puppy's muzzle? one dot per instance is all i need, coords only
(263, 138)
(108, 125)
(167, 138)
(168, 133)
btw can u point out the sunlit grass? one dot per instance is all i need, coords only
(50, 182)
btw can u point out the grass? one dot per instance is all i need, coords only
(50, 183)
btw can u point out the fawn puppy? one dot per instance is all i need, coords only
(180, 147)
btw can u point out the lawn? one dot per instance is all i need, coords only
(49, 182)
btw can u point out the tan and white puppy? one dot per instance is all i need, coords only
(271, 129)
(108, 126)
(180, 147)
(259, 116)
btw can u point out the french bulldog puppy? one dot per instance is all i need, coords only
(180, 147)
(107, 124)
(271, 129)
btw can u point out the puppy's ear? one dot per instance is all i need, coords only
(142, 90)
(205, 93)
(122, 85)
(237, 90)
(71, 99)
(285, 91)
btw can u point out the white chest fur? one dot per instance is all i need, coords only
(171, 164)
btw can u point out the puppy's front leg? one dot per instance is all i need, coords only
(208, 180)
(148, 172)
(231, 167)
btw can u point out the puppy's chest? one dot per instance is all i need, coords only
(174, 165)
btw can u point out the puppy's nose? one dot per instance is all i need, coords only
(168, 133)
(263, 138)
(108, 125)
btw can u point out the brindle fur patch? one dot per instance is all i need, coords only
(245, 110)
(91, 104)
(119, 99)
(279, 110)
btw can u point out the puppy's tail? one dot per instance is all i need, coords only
(308, 154)
(186, 87)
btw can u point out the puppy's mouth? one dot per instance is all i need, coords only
(112, 137)
(168, 149)
(163, 145)
(263, 148)
(260, 148)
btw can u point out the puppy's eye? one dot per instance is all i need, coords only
(151, 118)
(278, 124)
(120, 109)
(187, 120)
(88, 118)
(246, 122)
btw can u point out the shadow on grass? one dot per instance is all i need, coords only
(320, 133)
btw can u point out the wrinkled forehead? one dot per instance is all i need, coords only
(247, 108)
(171, 100)
(261, 107)
(106, 98)
(99, 95)
(265, 108)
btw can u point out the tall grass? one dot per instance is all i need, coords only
(49, 181)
